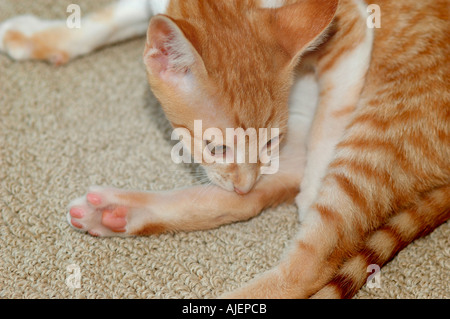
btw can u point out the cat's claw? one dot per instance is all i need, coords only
(99, 214)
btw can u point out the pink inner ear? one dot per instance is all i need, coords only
(156, 60)
(167, 54)
(156, 56)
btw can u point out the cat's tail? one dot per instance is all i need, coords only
(430, 211)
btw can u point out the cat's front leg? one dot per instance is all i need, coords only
(107, 212)
(341, 73)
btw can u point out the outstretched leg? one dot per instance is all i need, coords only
(30, 38)
(111, 212)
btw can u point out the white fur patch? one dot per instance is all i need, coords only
(27, 25)
(272, 3)
(303, 100)
(158, 6)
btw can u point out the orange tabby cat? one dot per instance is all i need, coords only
(362, 114)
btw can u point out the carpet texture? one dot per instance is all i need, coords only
(95, 122)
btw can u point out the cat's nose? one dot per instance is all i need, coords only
(240, 191)
(244, 179)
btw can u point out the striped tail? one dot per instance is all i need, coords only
(383, 245)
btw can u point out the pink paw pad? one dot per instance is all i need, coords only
(100, 213)
(76, 224)
(115, 219)
(94, 199)
(77, 212)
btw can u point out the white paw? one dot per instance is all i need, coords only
(110, 212)
(30, 38)
(99, 214)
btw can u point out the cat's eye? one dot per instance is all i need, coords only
(273, 142)
(216, 150)
(219, 150)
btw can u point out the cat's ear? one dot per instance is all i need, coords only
(300, 25)
(169, 54)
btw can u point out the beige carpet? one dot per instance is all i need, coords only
(95, 122)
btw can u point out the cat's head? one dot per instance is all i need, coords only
(229, 67)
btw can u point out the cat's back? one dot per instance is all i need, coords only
(412, 48)
(405, 102)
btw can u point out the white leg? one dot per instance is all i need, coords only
(302, 105)
(28, 37)
(340, 89)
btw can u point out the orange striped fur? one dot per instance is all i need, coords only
(395, 147)
(373, 170)
(431, 210)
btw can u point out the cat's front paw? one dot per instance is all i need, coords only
(107, 212)
(30, 38)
